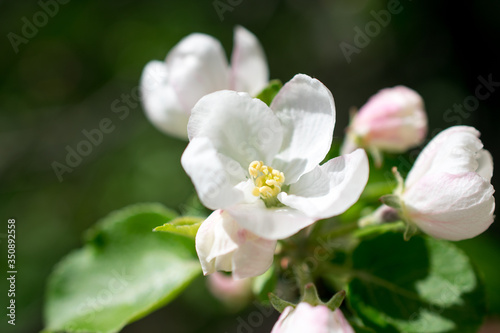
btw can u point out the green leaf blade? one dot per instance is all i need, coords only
(185, 226)
(424, 285)
(124, 272)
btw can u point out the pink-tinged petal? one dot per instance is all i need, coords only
(306, 109)
(452, 207)
(197, 66)
(311, 319)
(160, 101)
(341, 324)
(270, 223)
(233, 293)
(393, 120)
(460, 145)
(238, 126)
(254, 256)
(308, 318)
(222, 245)
(216, 177)
(485, 164)
(249, 71)
(213, 244)
(330, 189)
(277, 328)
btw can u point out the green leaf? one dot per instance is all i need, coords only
(268, 93)
(423, 285)
(484, 251)
(185, 226)
(123, 272)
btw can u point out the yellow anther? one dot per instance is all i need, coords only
(266, 191)
(254, 168)
(259, 181)
(268, 181)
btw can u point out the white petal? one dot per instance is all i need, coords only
(254, 256)
(197, 66)
(222, 245)
(238, 126)
(330, 189)
(454, 147)
(213, 244)
(248, 63)
(485, 161)
(216, 177)
(306, 110)
(269, 223)
(449, 206)
(160, 101)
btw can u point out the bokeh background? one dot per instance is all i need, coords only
(90, 54)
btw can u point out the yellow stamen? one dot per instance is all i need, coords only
(268, 181)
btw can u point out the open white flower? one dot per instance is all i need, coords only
(393, 120)
(311, 319)
(448, 193)
(222, 245)
(197, 66)
(260, 164)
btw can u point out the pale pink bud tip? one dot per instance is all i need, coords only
(393, 120)
(312, 319)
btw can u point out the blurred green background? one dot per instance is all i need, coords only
(90, 54)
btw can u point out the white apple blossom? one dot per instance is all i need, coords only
(393, 120)
(222, 245)
(311, 319)
(197, 66)
(448, 192)
(260, 164)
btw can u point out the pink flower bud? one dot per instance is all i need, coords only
(311, 319)
(393, 120)
(448, 192)
(234, 293)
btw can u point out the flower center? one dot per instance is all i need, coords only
(268, 181)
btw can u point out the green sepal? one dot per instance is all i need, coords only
(411, 230)
(185, 226)
(311, 295)
(279, 304)
(391, 200)
(337, 299)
